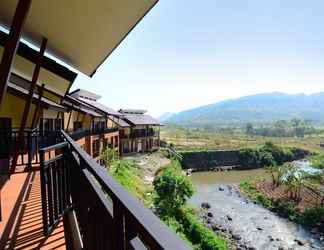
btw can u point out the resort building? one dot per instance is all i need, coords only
(53, 192)
(88, 121)
(138, 132)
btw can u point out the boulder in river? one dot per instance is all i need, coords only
(229, 217)
(221, 189)
(300, 242)
(215, 227)
(205, 205)
(237, 237)
(210, 214)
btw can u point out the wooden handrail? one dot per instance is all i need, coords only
(154, 231)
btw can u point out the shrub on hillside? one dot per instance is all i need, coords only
(173, 189)
(249, 157)
(200, 234)
(312, 216)
(269, 155)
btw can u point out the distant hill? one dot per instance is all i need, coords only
(261, 108)
(165, 116)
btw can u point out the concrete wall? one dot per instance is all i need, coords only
(204, 160)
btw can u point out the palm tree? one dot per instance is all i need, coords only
(294, 179)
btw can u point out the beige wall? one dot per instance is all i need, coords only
(47, 113)
(13, 107)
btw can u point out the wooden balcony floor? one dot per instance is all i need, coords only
(21, 226)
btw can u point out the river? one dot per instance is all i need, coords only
(249, 223)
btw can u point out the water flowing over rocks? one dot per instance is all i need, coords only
(247, 225)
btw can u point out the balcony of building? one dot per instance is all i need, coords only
(65, 200)
(139, 133)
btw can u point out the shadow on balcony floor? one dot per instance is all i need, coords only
(22, 226)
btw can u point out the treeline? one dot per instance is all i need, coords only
(269, 155)
(282, 128)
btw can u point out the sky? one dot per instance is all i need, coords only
(188, 53)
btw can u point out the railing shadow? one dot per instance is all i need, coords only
(24, 228)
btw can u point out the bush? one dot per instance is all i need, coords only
(127, 174)
(173, 189)
(199, 234)
(317, 161)
(269, 155)
(266, 159)
(277, 152)
(109, 156)
(312, 216)
(249, 157)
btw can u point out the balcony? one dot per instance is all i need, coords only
(81, 133)
(140, 134)
(70, 187)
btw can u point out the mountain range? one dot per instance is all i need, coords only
(260, 108)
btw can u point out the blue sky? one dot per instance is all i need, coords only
(189, 53)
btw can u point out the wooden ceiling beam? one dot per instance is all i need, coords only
(11, 45)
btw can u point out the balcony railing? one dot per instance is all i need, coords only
(32, 140)
(80, 133)
(108, 217)
(140, 134)
(104, 130)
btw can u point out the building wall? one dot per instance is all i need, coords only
(111, 124)
(47, 113)
(87, 121)
(77, 117)
(13, 107)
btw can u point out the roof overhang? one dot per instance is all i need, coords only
(80, 33)
(45, 102)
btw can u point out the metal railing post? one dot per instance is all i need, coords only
(43, 191)
(29, 150)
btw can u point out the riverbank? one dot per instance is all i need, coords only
(137, 173)
(307, 212)
(245, 158)
(243, 222)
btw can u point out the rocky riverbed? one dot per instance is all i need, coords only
(247, 225)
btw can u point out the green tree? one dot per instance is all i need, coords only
(109, 156)
(173, 189)
(249, 157)
(294, 181)
(266, 159)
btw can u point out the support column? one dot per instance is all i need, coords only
(37, 110)
(12, 44)
(28, 104)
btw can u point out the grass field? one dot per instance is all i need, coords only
(184, 139)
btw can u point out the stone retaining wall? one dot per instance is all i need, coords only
(204, 160)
